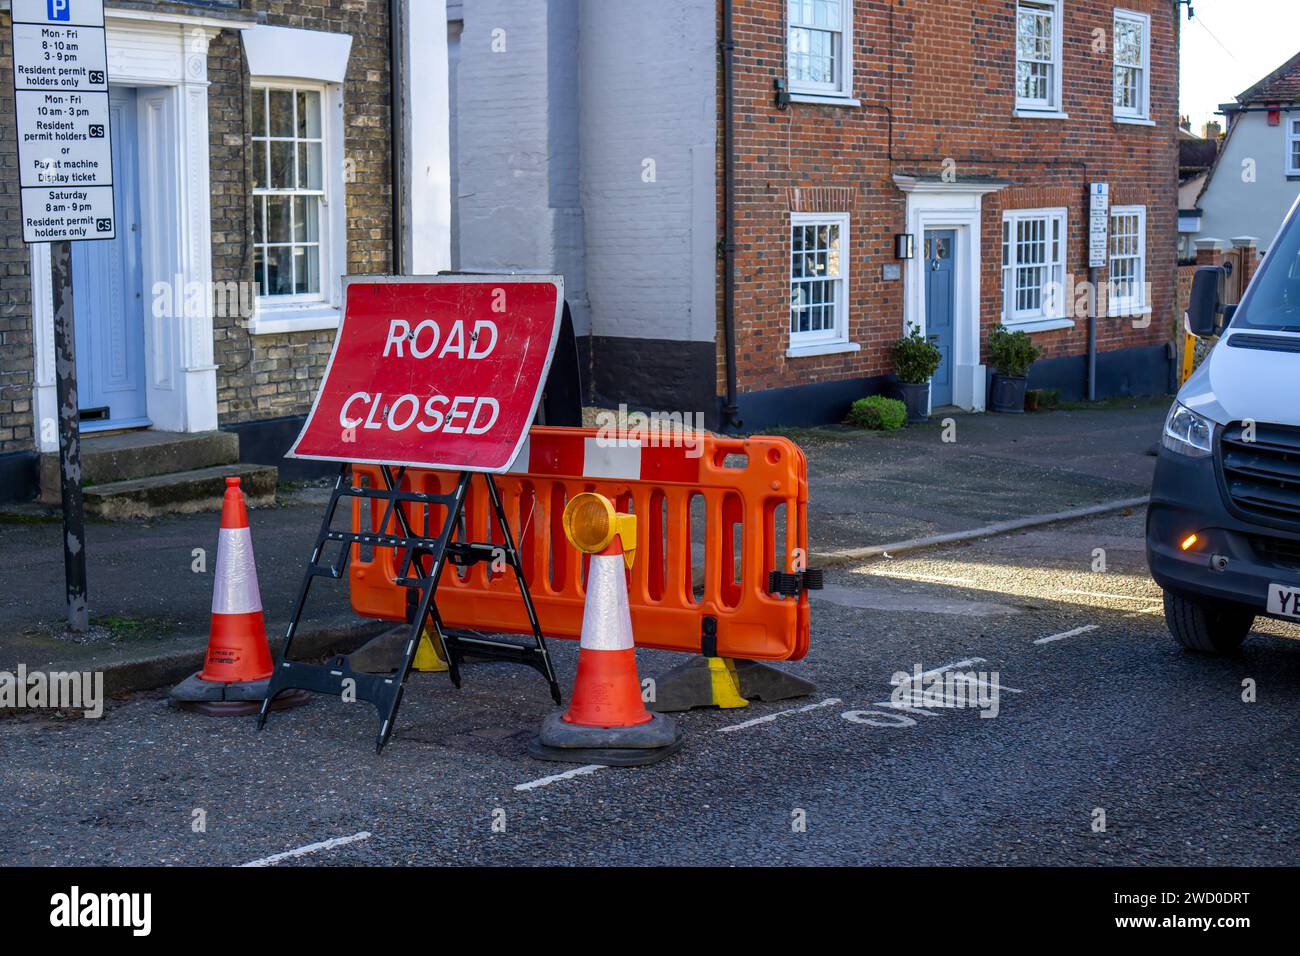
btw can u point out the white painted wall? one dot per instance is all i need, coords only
(516, 142)
(550, 139)
(649, 97)
(427, 129)
(1234, 206)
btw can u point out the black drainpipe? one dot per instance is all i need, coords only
(397, 139)
(729, 214)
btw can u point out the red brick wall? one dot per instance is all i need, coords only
(945, 70)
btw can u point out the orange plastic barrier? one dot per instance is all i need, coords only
(750, 495)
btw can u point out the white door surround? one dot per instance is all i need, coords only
(935, 204)
(165, 58)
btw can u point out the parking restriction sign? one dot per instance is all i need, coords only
(61, 106)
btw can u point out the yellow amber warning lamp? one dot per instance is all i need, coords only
(1188, 541)
(591, 524)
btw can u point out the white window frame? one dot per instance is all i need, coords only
(308, 312)
(842, 86)
(1056, 252)
(822, 340)
(1142, 111)
(1052, 105)
(1135, 304)
(1292, 140)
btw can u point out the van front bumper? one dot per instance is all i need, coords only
(1186, 499)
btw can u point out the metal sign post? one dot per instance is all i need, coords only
(65, 174)
(1098, 251)
(65, 370)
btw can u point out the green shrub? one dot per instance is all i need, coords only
(915, 357)
(1012, 352)
(1041, 399)
(878, 412)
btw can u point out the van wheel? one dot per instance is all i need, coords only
(1211, 627)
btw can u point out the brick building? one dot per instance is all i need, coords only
(253, 160)
(975, 127)
(972, 126)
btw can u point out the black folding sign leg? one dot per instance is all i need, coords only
(422, 558)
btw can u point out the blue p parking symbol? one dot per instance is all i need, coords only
(58, 9)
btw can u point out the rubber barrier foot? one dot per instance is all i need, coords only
(759, 681)
(725, 683)
(383, 654)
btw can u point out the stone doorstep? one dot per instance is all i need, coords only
(125, 456)
(180, 493)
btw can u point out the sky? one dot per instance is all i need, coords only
(1231, 45)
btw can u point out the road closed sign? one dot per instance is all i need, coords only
(435, 372)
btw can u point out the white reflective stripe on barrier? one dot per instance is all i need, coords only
(607, 460)
(235, 589)
(606, 622)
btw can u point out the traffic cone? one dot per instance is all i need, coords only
(237, 667)
(607, 722)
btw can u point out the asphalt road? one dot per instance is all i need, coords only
(1098, 711)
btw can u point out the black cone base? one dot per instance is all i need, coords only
(231, 700)
(605, 756)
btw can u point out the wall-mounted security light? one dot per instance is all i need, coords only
(904, 245)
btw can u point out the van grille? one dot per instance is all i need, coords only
(1263, 476)
(1278, 552)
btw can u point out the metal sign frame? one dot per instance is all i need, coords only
(424, 558)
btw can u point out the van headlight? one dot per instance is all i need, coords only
(1187, 433)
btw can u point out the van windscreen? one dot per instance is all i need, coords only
(1274, 298)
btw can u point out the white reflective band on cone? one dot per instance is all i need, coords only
(606, 621)
(235, 589)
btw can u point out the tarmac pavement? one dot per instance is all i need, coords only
(150, 600)
(1098, 713)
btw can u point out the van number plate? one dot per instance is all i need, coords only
(1284, 600)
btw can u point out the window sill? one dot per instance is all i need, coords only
(1039, 325)
(1134, 121)
(1128, 311)
(277, 320)
(828, 348)
(1022, 112)
(824, 100)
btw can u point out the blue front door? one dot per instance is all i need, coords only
(107, 294)
(940, 250)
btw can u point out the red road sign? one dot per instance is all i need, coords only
(435, 372)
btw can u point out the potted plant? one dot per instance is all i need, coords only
(915, 360)
(1011, 354)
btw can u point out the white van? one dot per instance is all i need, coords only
(1223, 528)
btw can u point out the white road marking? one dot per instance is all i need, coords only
(1105, 594)
(921, 577)
(889, 598)
(1146, 610)
(1064, 634)
(592, 768)
(732, 728)
(969, 662)
(310, 848)
(557, 777)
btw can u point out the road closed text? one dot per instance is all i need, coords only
(449, 414)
